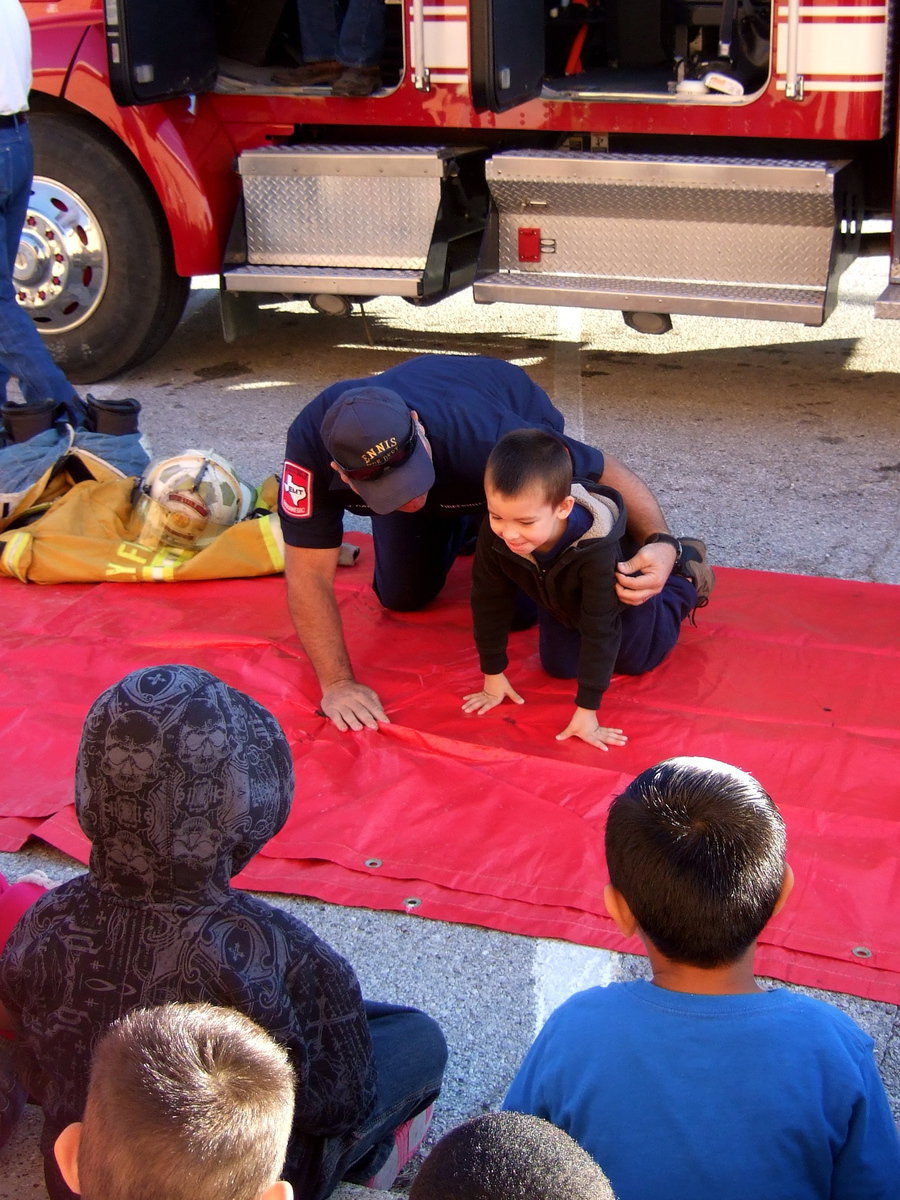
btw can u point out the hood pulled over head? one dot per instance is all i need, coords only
(180, 780)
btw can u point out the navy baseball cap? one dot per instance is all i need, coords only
(371, 435)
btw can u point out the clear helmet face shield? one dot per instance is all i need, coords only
(187, 500)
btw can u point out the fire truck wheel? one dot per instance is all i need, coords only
(95, 267)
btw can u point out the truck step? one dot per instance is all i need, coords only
(803, 305)
(369, 220)
(338, 281)
(340, 206)
(760, 238)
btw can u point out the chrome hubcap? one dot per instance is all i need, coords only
(62, 265)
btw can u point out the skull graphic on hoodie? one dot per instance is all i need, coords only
(180, 780)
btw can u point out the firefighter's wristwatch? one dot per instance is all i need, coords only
(668, 539)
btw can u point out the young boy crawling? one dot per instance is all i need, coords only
(559, 544)
(699, 1083)
(185, 1102)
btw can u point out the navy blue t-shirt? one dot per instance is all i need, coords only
(466, 405)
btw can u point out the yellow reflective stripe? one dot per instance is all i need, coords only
(13, 551)
(165, 560)
(271, 535)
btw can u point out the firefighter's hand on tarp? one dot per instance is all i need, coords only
(497, 688)
(351, 705)
(645, 574)
(584, 725)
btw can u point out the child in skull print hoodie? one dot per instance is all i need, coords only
(180, 780)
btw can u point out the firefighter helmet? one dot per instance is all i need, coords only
(188, 499)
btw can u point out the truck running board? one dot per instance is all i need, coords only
(805, 305)
(338, 281)
(653, 234)
(358, 221)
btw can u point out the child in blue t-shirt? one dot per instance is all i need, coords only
(699, 1083)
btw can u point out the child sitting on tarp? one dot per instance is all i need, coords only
(700, 1083)
(179, 781)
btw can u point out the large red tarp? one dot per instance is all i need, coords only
(487, 820)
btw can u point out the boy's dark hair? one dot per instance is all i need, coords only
(185, 1101)
(509, 1156)
(696, 848)
(526, 458)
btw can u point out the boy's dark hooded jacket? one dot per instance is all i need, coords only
(578, 589)
(180, 781)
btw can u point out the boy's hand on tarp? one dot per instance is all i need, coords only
(585, 725)
(497, 688)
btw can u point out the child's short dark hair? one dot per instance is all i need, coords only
(185, 1100)
(696, 848)
(527, 458)
(509, 1156)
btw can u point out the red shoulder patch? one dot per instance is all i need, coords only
(296, 490)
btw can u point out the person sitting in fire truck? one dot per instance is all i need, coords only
(345, 53)
(408, 448)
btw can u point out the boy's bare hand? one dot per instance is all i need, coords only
(585, 725)
(497, 688)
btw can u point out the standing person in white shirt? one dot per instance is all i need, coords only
(43, 386)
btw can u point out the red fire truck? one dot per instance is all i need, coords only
(651, 156)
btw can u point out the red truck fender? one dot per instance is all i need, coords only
(149, 190)
(185, 155)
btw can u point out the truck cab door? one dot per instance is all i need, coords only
(506, 52)
(158, 49)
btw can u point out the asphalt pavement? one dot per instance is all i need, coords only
(778, 445)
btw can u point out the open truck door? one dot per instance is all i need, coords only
(507, 52)
(159, 49)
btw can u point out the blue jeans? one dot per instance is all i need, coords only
(22, 353)
(649, 632)
(354, 40)
(410, 1056)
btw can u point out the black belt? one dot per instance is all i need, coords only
(10, 120)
